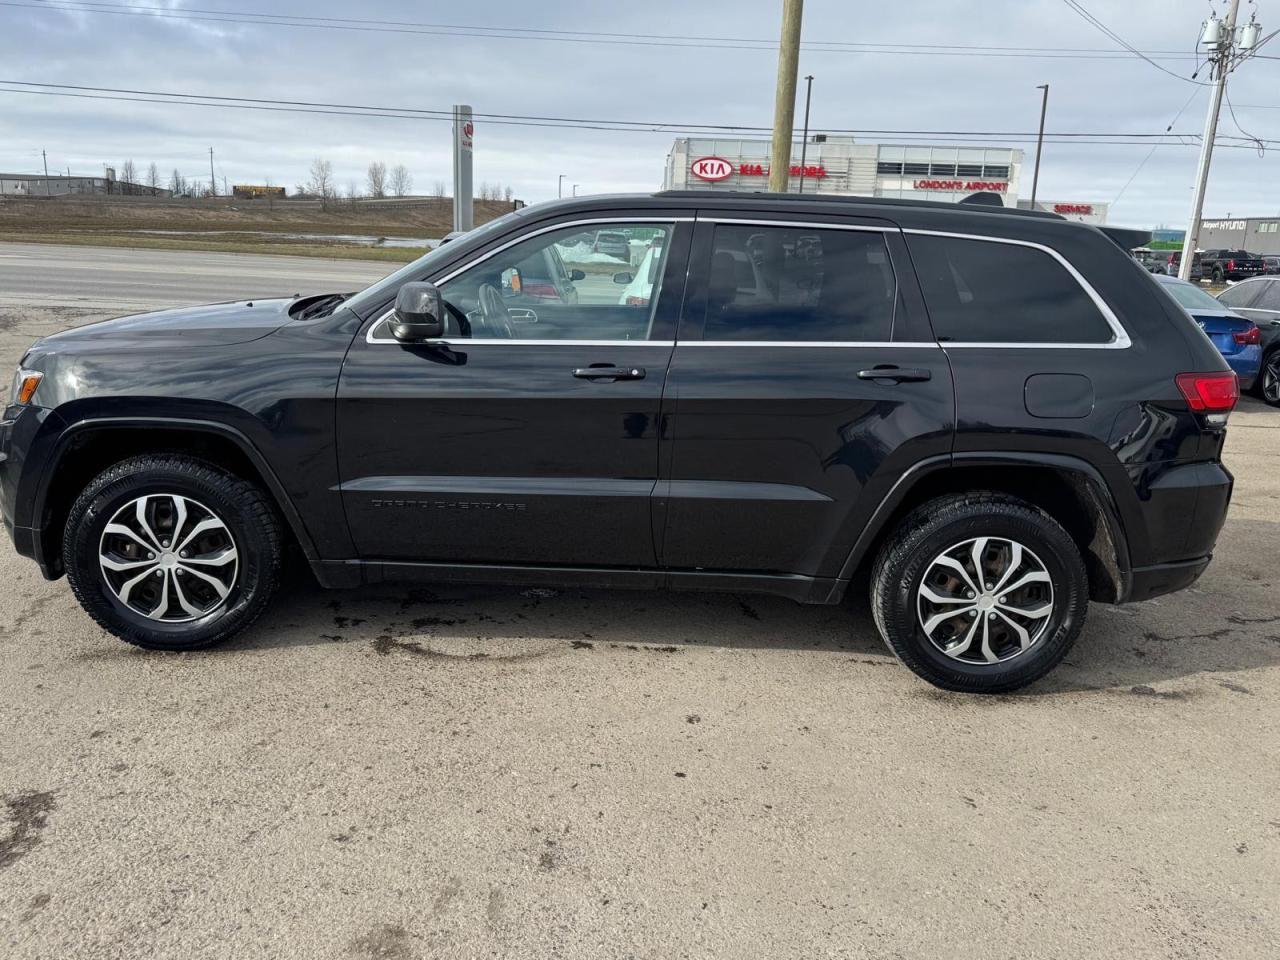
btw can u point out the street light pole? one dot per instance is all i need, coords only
(1044, 108)
(784, 100)
(804, 143)
(575, 188)
(1221, 39)
(560, 186)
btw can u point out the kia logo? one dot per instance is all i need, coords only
(711, 168)
(468, 129)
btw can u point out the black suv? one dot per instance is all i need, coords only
(995, 415)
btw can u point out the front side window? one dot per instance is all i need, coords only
(981, 291)
(773, 284)
(577, 283)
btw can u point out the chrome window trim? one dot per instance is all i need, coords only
(863, 344)
(806, 224)
(1120, 337)
(550, 228)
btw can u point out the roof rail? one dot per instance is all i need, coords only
(721, 196)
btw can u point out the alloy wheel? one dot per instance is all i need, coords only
(168, 558)
(1271, 378)
(985, 600)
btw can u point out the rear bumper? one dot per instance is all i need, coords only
(1148, 582)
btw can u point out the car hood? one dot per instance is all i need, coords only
(213, 325)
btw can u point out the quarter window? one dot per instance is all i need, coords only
(980, 291)
(783, 284)
(597, 283)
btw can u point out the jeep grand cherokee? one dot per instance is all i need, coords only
(996, 415)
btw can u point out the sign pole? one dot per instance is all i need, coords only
(804, 142)
(463, 194)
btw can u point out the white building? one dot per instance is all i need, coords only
(843, 167)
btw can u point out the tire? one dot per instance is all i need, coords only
(915, 551)
(210, 591)
(1218, 276)
(1267, 385)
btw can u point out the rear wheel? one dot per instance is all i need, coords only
(1218, 276)
(979, 593)
(1269, 378)
(172, 553)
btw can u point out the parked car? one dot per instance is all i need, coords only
(1175, 261)
(613, 244)
(1223, 265)
(1237, 339)
(1153, 261)
(1259, 300)
(1271, 266)
(976, 407)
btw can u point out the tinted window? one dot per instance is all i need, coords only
(1270, 299)
(979, 291)
(1190, 296)
(1242, 294)
(799, 284)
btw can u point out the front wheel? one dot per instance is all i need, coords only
(172, 553)
(979, 593)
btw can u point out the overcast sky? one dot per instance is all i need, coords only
(585, 78)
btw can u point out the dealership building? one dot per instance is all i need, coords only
(843, 167)
(1260, 235)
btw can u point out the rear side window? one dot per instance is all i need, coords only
(1243, 294)
(773, 284)
(980, 291)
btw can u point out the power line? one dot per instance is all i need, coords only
(571, 36)
(1151, 153)
(1108, 32)
(133, 95)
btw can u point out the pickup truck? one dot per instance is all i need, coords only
(1220, 265)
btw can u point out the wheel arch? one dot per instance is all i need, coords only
(1069, 489)
(87, 447)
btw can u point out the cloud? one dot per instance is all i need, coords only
(589, 79)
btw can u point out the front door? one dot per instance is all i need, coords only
(804, 383)
(528, 435)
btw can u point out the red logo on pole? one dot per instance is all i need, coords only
(711, 168)
(468, 129)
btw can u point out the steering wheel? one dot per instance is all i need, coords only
(494, 320)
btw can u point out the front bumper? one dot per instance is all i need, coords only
(1155, 581)
(24, 443)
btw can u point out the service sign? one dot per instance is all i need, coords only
(711, 168)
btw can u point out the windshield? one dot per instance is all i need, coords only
(420, 268)
(1192, 298)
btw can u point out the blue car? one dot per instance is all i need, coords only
(1237, 339)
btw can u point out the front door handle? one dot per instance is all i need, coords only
(609, 372)
(896, 374)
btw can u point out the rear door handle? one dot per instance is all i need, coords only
(896, 374)
(609, 371)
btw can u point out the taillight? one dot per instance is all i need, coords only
(1231, 264)
(1246, 337)
(1209, 392)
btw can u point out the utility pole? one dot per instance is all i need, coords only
(575, 188)
(213, 182)
(45, 158)
(784, 101)
(1220, 39)
(1044, 108)
(804, 141)
(560, 186)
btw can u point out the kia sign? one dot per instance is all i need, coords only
(711, 168)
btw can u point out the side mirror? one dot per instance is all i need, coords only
(623, 277)
(577, 275)
(419, 313)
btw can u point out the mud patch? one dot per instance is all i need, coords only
(1143, 690)
(28, 814)
(387, 941)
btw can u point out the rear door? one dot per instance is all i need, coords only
(803, 384)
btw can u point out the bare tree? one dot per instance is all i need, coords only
(353, 190)
(401, 180)
(321, 180)
(508, 193)
(153, 178)
(128, 176)
(377, 179)
(437, 189)
(178, 184)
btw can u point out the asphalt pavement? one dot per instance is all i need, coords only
(123, 279)
(477, 772)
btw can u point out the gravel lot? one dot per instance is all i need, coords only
(501, 773)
